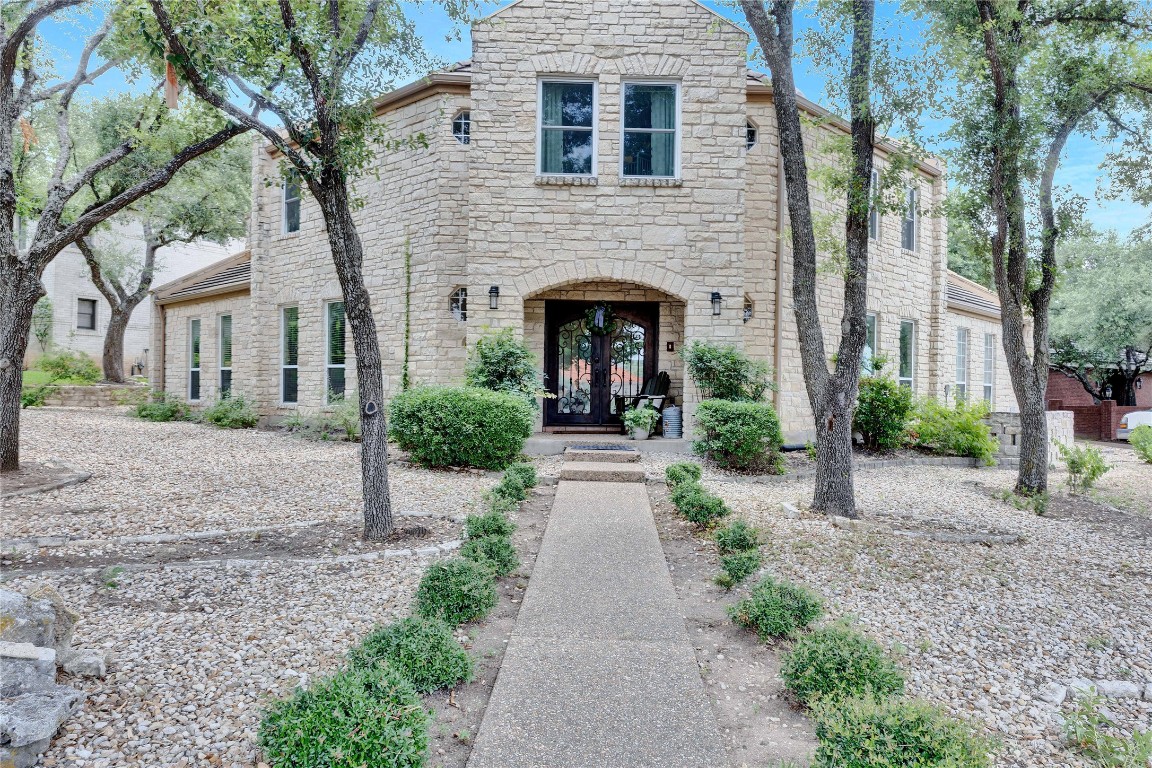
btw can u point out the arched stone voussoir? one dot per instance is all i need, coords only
(550, 277)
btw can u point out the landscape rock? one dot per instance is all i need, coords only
(65, 618)
(24, 662)
(1054, 693)
(1081, 687)
(1118, 689)
(29, 721)
(790, 511)
(1148, 692)
(85, 662)
(23, 620)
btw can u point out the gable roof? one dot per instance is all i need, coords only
(225, 276)
(969, 296)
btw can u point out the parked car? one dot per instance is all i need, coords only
(1130, 421)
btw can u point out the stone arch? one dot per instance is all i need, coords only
(548, 277)
(653, 65)
(566, 63)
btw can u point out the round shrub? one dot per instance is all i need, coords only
(423, 650)
(699, 506)
(524, 472)
(1141, 440)
(496, 552)
(503, 363)
(866, 733)
(348, 719)
(511, 487)
(682, 472)
(232, 412)
(737, 537)
(775, 608)
(456, 591)
(740, 565)
(164, 407)
(836, 662)
(882, 412)
(500, 505)
(488, 524)
(743, 436)
(957, 431)
(460, 426)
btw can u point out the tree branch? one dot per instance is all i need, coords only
(108, 286)
(27, 25)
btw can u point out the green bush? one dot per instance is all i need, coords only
(776, 608)
(739, 566)
(501, 505)
(351, 718)
(882, 412)
(1092, 733)
(737, 537)
(643, 418)
(163, 407)
(456, 590)
(698, 506)
(503, 363)
(423, 650)
(957, 431)
(1141, 439)
(741, 436)
(524, 472)
(69, 366)
(897, 733)
(836, 662)
(725, 373)
(231, 412)
(460, 426)
(511, 487)
(682, 472)
(491, 523)
(1085, 465)
(496, 552)
(344, 415)
(36, 397)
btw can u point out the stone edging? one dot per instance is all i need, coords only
(78, 476)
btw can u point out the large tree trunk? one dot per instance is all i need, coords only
(1032, 476)
(348, 256)
(113, 358)
(19, 292)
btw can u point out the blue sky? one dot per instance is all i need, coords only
(1080, 170)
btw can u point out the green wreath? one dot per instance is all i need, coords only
(600, 321)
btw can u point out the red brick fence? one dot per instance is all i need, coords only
(1096, 422)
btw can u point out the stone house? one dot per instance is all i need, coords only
(592, 161)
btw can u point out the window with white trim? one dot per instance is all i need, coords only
(291, 191)
(989, 367)
(752, 135)
(866, 360)
(749, 308)
(289, 355)
(86, 314)
(194, 360)
(873, 208)
(335, 351)
(225, 355)
(909, 222)
(567, 127)
(961, 364)
(458, 305)
(462, 127)
(651, 131)
(907, 372)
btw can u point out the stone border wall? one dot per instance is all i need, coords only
(1005, 428)
(95, 395)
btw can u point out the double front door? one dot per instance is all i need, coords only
(596, 352)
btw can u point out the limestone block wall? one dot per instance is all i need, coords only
(246, 371)
(95, 396)
(979, 327)
(1005, 427)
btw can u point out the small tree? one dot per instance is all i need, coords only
(503, 363)
(42, 323)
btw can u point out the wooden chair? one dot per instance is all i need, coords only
(654, 393)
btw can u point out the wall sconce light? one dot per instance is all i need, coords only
(1139, 380)
(494, 297)
(716, 300)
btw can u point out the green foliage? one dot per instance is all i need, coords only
(524, 472)
(231, 412)
(698, 506)
(496, 552)
(1141, 440)
(460, 426)
(725, 373)
(501, 505)
(348, 719)
(643, 418)
(1036, 503)
(423, 650)
(511, 487)
(682, 472)
(836, 662)
(744, 436)
(163, 407)
(42, 322)
(503, 363)
(969, 253)
(68, 366)
(737, 537)
(456, 590)
(491, 523)
(739, 566)
(776, 608)
(956, 431)
(894, 733)
(1088, 729)
(37, 396)
(882, 411)
(345, 414)
(1085, 464)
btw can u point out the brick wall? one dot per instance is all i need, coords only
(1070, 391)
(1096, 422)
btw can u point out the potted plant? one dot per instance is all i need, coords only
(640, 421)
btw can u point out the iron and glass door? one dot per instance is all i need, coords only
(594, 353)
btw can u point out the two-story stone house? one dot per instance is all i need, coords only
(594, 160)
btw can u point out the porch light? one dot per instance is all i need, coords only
(716, 300)
(494, 297)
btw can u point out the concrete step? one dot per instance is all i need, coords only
(621, 456)
(602, 471)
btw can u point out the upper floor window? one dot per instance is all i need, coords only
(458, 304)
(873, 209)
(650, 129)
(867, 359)
(907, 372)
(568, 127)
(749, 308)
(908, 224)
(86, 314)
(752, 136)
(292, 202)
(462, 127)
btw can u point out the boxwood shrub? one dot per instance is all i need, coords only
(511, 487)
(232, 412)
(867, 733)
(682, 472)
(488, 524)
(523, 472)
(460, 426)
(743, 436)
(423, 650)
(456, 591)
(698, 506)
(882, 412)
(163, 407)
(351, 718)
(739, 566)
(496, 552)
(836, 662)
(737, 537)
(776, 608)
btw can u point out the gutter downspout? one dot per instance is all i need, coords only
(778, 329)
(161, 361)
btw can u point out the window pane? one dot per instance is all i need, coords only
(567, 104)
(292, 203)
(226, 341)
(869, 343)
(649, 154)
(225, 383)
(194, 343)
(194, 385)
(86, 314)
(462, 127)
(908, 224)
(288, 389)
(291, 330)
(649, 106)
(907, 349)
(566, 151)
(336, 323)
(335, 384)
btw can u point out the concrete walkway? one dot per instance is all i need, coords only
(599, 672)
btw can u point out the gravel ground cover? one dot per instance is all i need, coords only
(981, 630)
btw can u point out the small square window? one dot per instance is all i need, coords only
(86, 314)
(462, 127)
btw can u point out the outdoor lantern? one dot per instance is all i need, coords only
(494, 297)
(1139, 381)
(716, 299)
